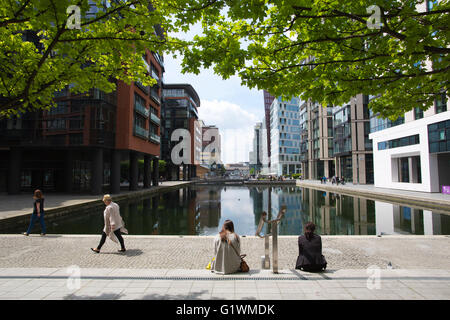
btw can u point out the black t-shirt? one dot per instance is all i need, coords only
(39, 202)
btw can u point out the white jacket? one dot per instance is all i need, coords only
(112, 218)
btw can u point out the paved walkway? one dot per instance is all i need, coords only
(173, 267)
(22, 204)
(181, 284)
(412, 198)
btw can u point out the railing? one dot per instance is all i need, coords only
(146, 89)
(274, 234)
(154, 137)
(141, 132)
(154, 96)
(155, 75)
(154, 118)
(141, 109)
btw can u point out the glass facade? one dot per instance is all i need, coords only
(439, 136)
(400, 142)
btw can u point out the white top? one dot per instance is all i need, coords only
(113, 221)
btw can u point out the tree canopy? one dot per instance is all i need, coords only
(324, 50)
(41, 52)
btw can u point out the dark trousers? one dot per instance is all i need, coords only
(118, 235)
(35, 217)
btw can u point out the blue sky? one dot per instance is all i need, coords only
(233, 108)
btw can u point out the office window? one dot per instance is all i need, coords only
(418, 113)
(441, 103)
(400, 142)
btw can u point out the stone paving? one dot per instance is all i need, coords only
(173, 267)
(194, 252)
(176, 284)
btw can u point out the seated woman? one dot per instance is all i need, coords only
(310, 256)
(227, 250)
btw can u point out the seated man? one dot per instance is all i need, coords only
(310, 256)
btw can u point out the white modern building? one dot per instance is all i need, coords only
(285, 136)
(415, 155)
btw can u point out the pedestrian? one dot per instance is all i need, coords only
(38, 213)
(227, 250)
(114, 225)
(310, 256)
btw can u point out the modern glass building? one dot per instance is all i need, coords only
(180, 112)
(316, 131)
(352, 148)
(285, 136)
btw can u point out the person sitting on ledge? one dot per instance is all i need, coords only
(310, 256)
(227, 250)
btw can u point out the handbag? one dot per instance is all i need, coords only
(244, 265)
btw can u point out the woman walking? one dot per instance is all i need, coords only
(227, 250)
(38, 213)
(114, 225)
(310, 256)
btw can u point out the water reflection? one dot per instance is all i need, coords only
(201, 210)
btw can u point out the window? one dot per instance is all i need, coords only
(400, 142)
(418, 113)
(441, 103)
(439, 136)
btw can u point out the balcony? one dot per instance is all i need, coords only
(146, 89)
(154, 138)
(155, 119)
(142, 110)
(155, 76)
(140, 132)
(154, 95)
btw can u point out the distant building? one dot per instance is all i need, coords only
(211, 145)
(352, 148)
(316, 131)
(285, 137)
(268, 99)
(255, 156)
(181, 102)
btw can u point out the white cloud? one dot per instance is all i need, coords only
(235, 127)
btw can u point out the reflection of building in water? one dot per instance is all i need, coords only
(338, 214)
(256, 194)
(208, 206)
(291, 198)
(396, 219)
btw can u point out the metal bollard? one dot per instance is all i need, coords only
(265, 260)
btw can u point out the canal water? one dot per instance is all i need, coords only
(201, 210)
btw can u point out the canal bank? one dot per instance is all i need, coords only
(413, 199)
(17, 209)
